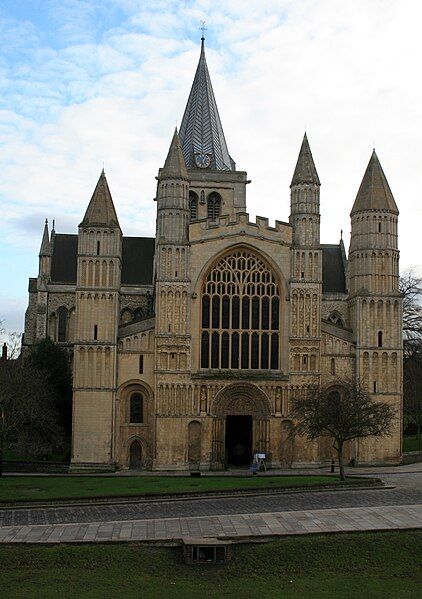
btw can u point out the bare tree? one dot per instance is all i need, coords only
(411, 288)
(13, 341)
(342, 411)
(31, 422)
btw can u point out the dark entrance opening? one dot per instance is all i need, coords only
(239, 440)
(135, 457)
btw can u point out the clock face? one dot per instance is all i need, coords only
(202, 160)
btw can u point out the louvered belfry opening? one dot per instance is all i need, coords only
(240, 315)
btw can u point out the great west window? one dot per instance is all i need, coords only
(240, 315)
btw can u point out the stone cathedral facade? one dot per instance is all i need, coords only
(188, 347)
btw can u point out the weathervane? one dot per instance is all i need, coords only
(203, 29)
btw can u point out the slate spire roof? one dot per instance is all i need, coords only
(305, 171)
(201, 131)
(45, 249)
(374, 192)
(174, 166)
(101, 211)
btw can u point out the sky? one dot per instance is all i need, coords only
(87, 83)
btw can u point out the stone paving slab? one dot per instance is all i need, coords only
(234, 526)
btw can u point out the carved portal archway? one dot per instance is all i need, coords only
(241, 399)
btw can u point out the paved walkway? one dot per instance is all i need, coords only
(238, 526)
(407, 491)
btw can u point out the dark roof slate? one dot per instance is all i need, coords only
(137, 260)
(333, 271)
(64, 260)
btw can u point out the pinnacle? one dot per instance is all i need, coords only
(101, 209)
(374, 192)
(45, 249)
(174, 166)
(305, 171)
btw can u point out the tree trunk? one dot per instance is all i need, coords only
(340, 463)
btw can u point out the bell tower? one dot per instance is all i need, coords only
(97, 319)
(216, 187)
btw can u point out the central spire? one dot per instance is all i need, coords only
(201, 133)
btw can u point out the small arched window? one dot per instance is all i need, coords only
(213, 206)
(62, 324)
(379, 338)
(136, 408)
(193, 206)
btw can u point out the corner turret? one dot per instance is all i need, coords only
(304, 199)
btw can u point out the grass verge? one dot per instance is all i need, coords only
(376, 565)
(36, 488)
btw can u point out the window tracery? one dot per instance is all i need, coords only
(240, 315)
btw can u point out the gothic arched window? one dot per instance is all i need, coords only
(136, 408)
(193, 206)
(240, 315)
(62, 324)
(213, 206)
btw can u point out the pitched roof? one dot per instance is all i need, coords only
(137, 260)
(333, 269)
(305, 171)
(374, 192)
(101, 211)
(174, 166)
(201, 130)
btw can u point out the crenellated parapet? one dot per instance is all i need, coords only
(239, 225)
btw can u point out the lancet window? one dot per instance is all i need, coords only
(62, 324)
(193, 206)
(240, 315)
(213, 206)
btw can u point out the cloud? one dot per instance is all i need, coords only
(89, 82)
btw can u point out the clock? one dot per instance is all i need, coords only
(202, 160)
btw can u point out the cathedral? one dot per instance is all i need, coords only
(188, 347)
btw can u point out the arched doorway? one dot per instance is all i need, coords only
(241, 424)
(135, 455)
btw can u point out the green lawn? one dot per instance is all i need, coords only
(14, 488)
(375, 565)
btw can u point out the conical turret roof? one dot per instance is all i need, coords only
(174, 166)
(45, 249)
(201, 131)
(374, 192)
(101, 211)
(305, 171)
